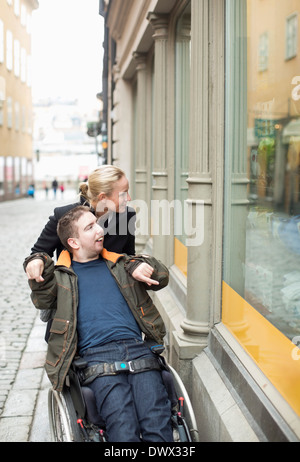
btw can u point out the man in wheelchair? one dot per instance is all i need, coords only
(100, 310)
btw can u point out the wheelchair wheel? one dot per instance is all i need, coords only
(188, 412)
(62, 417)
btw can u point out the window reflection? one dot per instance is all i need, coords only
(272, 266)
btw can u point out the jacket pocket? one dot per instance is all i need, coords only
(57, 341)
(145, 307)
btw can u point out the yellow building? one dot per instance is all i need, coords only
(15, 97)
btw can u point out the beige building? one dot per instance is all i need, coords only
(15, 97)
(201, 109)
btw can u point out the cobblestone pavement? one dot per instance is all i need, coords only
(23, 384)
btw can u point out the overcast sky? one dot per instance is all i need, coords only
(67, 37)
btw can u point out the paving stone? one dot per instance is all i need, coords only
(20, 403)
(13, 429)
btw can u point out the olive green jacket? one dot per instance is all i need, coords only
(59, 293)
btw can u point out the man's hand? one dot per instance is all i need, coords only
(143, 273)
(34, 269)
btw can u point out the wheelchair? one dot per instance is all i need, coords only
(73, 416)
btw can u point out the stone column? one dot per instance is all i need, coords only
(196, 323)
(141, 161)
(205, 179)
(161, 239)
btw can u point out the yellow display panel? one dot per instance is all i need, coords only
(276, 355)
(180, 256)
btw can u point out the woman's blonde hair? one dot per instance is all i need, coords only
(100, 180)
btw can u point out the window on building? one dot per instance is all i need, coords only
(24, 178)
(23, 15)
(17, 172)
(23, 65)
(23, 119)
(9, 174)
(29, 69)
(263, 51)
(1, 42)
(9, 112)
(1, 176)
(2, 97)
(29, 121)
(17, 7)
(17, 116)
(261, 290)
(17, 57)
(182, 125)
(9, 50)
(291, 36)
(28, 23)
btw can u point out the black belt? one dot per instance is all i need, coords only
(135, 366)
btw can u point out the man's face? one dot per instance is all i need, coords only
(90, 236)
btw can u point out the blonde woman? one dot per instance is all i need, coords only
(107, 194)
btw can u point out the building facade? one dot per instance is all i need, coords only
(15, 98)
(201, 109)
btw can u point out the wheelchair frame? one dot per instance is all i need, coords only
(71, 418)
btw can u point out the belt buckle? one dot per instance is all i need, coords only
(122, 366)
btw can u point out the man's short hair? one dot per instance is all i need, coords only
(67, 224)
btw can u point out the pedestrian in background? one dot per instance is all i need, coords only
(31, 190)
(62, 188)
(54, 187)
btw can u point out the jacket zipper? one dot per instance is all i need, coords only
(72, 335)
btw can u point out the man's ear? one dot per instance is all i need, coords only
(73, 243)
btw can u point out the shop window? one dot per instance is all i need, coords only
(17, 176)
(24, 177)
(261, 290)
(9, 174)
(182, 126)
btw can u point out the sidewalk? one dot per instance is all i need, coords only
(25, 416)
(23, 383)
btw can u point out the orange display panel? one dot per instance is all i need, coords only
(180, 257)
(276, 355)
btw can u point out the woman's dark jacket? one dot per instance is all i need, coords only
(119, 234)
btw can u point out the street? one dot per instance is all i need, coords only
(23, 383)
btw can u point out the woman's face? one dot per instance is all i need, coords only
(117, 200)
